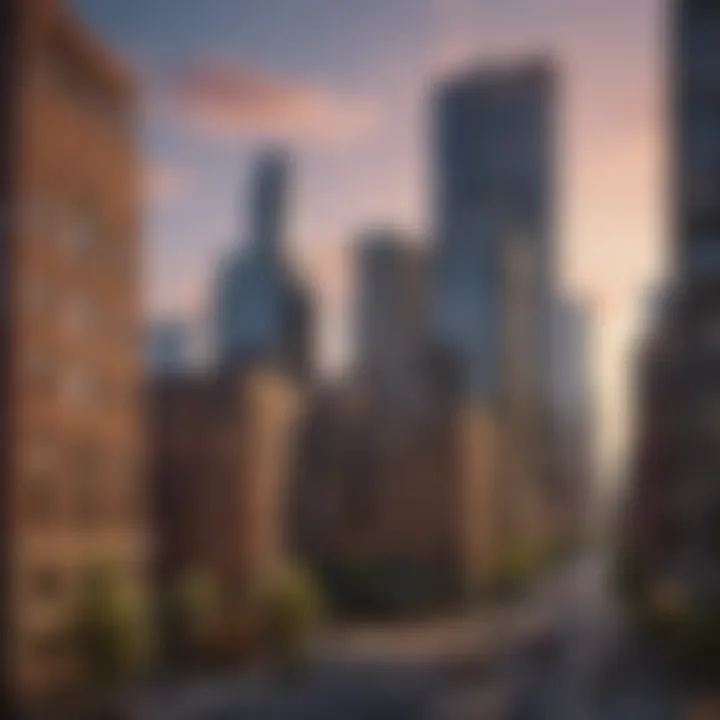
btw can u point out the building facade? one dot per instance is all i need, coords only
(673, 509)
(391, 326)
(71, 344)
(573, 408)
(695, 151)
(494, 287)
(494, 189)
(223, 444)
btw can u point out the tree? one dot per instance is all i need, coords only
(289, 611)
(193, 615)
(112, 630)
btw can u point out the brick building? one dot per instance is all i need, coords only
(386, 498)
(70, 347)
(222, 442)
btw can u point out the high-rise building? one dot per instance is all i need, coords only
(495, 173)
(391, 314)
(572, 412)
(70, 336)
(224, 438)
(495, 160)
(673, 504)
(263, 312)
(696, 148)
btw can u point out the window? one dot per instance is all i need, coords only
(38, 215)
(40, 454)
(80, 316)
(41, 374)
(46, 583)
(79, 233)
(37, 298)
(75, 80)
(81, 387)
(41, 506)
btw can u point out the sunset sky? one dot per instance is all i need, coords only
(346, 84)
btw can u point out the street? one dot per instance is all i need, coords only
(563, 652)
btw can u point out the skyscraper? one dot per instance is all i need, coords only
(263, 312)
(572, 411)
(673, 508)
(494, 286)
(495, 191)
(70, 337)
(391, 313)
(696, 148)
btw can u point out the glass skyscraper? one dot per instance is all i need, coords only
(494, 194)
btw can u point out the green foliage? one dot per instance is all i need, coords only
(383, 588)
(111, 630)
(630, 579)
(288, 611)
(520, 565)
(691, 640)
(193, 613)
(687, 635)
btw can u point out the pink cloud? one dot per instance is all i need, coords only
(229, 101)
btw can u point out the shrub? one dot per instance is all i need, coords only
(518, 567)
(385, 588)
(192, 616)
(111, 630)
(288, 609)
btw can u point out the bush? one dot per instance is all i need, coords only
(630, 579)
(288, 611)
(193, 612)
(111, 630)
(518, 567)
(381, 588)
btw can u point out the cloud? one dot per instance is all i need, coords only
(230, 101)
(165, 183)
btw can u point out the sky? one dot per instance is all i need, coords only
(347, 85)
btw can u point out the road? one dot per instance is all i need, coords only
(591, 666)
(563, 652)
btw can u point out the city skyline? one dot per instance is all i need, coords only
(358, 93)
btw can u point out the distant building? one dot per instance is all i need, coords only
(495, 266)
(376, 500)
(572, 360)
(169, 347)
(391, 327)
(572, 412)
(73, 494)
(263, 312)
(224, 439)
(494, 186)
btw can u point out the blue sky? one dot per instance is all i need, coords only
(346, 83)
